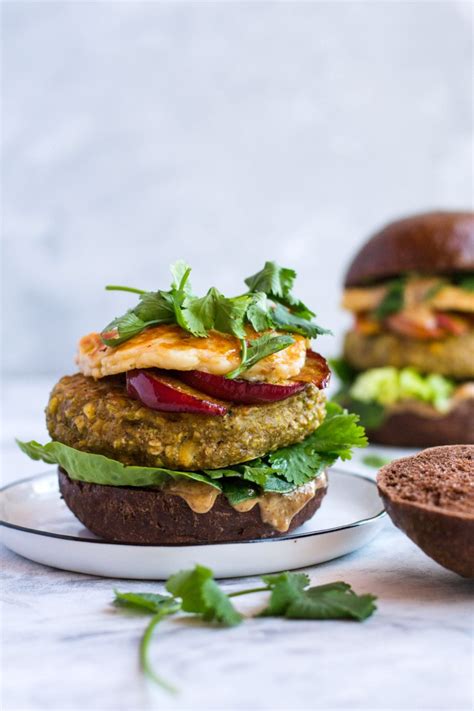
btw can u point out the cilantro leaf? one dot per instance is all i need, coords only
(230, 313)
(260, 348)
(180, 272)
(291, 598)
(299, 463)
(334, 438)
(467, 282)
(277, 283)
(122, 328)
(338, 433)
(199, 313)
(269, 304)
(215, 311)
(259, 312)
(237, 491)
(285, 588)
(277, 485)
(286, 320)
(331, 603)
(147, 602)
(393, 299)
(200, 593)
(156, 307)
(273, 280)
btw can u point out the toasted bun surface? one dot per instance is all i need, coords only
(430, 243)
(154, 517)
(430, 496)
(407, 428)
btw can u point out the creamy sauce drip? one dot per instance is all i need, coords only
(277, 510)
(199, 497)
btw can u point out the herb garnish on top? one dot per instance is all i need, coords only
(268, 304)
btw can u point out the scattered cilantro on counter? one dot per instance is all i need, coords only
(375, 461)
(291, 597)
(196, 591)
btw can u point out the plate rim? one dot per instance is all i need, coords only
(278, 539)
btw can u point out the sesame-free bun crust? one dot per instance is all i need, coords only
(408, 428)
(155, 517)
(429, 243)
(430, 497)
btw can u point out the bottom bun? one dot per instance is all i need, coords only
(408, 428)
(155, 517)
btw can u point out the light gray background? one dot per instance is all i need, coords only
(225, 133)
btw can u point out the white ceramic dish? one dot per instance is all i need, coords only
(38, 525)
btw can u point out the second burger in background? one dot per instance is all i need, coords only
(408, 366)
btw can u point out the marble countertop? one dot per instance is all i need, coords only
(65, 647)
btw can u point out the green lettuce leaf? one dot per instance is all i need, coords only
(388, 385)
(97, 469)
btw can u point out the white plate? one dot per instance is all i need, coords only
(38, 525)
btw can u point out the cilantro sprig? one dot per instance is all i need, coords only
(269, 304)
(466, 282)
(393, 299)
(258, 349)
(195, 591)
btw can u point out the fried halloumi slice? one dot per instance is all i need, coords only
(171, 348)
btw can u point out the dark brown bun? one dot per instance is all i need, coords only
(430, 497)
(154, 517)
(430, 243)
(406, 428)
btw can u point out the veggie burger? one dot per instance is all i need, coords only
(198, 419)
(408, 365)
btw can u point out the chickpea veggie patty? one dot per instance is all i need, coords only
(99, 416)
(452, 357)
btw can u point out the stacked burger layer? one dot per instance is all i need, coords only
(198, 418)
(408, 366)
